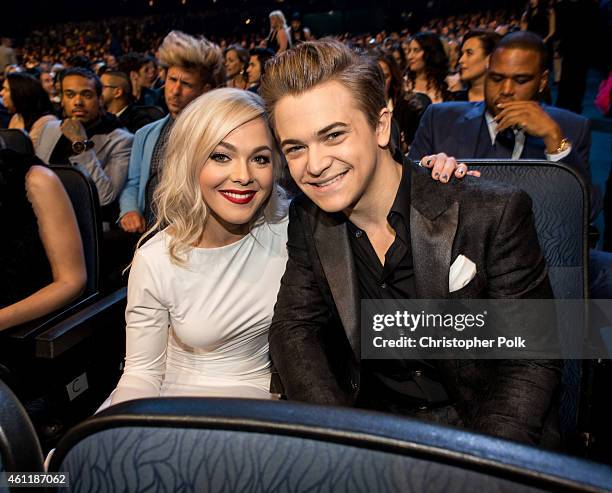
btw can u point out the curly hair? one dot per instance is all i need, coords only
(436, 62)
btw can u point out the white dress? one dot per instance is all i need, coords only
(202, 329)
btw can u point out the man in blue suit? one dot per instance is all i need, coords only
(510, 123)
(194, 67)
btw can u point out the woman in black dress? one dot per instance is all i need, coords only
(42, 266)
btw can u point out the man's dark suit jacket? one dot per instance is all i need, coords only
(315, 332)
(459, 129)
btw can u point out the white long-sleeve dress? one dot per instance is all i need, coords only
(202, 329)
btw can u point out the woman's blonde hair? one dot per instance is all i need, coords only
(177, 201)
(280, 16)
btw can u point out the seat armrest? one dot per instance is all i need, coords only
(69, 332)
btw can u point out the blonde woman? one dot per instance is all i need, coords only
(202, 290)
(278, 39)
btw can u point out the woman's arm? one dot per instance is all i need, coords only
(552, 25)
(147, 325)
(524, 21)
(283, 40)
(59, 233)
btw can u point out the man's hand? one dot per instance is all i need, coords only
(443, 166)
(73, 130)
(532, 119)
(132, 222)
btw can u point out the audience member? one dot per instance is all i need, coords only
(7, 53)
(88, 136)
(117, 100)
(427, 67)
(219, 213)
(475, 53)
(42, 263)
(298, 32)
(350, 239)
(24, 96)
(257, 66)
(512, 124)
(540, 18)
(142, 73)
(236, 62)
(278, 40)
(46, 79)
(195, 65)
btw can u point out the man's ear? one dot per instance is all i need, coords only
(383, 127)
(543, 81)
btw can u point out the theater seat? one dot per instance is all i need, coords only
(190, 444)
(19, 447)
(560, 206)
(84, 197)
(17, 141)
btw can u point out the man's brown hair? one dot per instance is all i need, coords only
(309, 64)
(197, 54)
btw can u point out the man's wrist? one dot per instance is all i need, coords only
(554, 141)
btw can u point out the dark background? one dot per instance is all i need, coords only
(18, 17)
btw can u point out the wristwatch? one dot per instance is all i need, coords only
(564, 145)
(81, 146)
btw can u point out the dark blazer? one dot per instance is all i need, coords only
(315, 332)
(459, 129)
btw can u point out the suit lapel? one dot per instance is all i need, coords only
(55, 132)
(434, 217)
(333, 245)
(470, 132)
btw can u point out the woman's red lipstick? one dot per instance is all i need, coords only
(238, 196)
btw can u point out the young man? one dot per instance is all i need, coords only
(368, 227)
(88, 136)
(194, 67)
(117, 99)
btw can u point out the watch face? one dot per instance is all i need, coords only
(78, 147)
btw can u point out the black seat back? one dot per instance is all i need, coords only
(19, 447)
(560, 206)
(84, 198)
(211, 445)
(16, 141)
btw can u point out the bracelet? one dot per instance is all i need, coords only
(564, 145)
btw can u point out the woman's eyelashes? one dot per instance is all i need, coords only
(259, 159)
(219, 157)
(262, 159)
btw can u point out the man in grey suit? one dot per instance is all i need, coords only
(88, 137)
(368, 227)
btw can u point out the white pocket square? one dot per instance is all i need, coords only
(461, 273)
